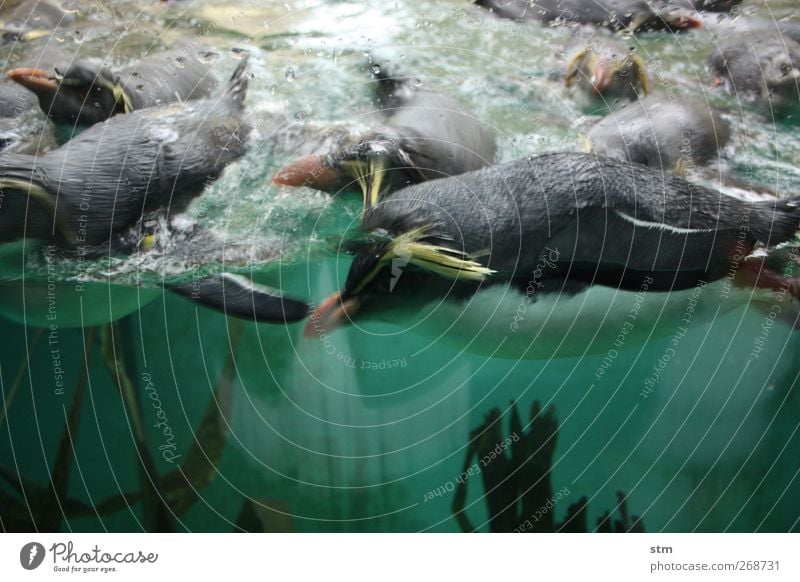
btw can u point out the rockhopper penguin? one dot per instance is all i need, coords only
(673, 134)
(83, 94)
(422, 135)
(617, 15)
(84, 193)
(759, 68)
(546, 257)
(609, 71)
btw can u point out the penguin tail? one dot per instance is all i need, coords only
(19, 175)
(776, 222)
(236, 91)
(239, 297)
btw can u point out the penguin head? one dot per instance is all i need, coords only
(381, 163)
(81, 94)
(368, 282)
(397, 274)
(781, 73)
(608, 73)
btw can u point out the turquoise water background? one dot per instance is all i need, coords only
(352, 434)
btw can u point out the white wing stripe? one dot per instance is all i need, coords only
(660, 225)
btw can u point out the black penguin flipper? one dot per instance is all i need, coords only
(238, 296)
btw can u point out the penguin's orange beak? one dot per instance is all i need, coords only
(331, 313)
(601, 77)
(685, 20)
(312, 171)
(33, 79)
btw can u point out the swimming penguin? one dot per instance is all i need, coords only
(545, 257)
(609, 71)
(422, 135)
(110, 175)
(759, 68)
(664, 133)
(617, 15)
(84, 94)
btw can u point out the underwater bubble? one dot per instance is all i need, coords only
(140, 87)
(180, 61)
(376, 69)
(290, 75)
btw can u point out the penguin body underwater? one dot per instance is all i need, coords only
(86, 193)
(616, 15)
(84, 94)
(662, 133)
(421, 135)
(547, 257)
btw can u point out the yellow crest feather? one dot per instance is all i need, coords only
(369, 176)
(441, 260)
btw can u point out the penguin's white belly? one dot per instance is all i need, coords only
(503, 322)
(63, 305)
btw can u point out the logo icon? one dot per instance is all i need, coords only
(31, 555)
(398, 263)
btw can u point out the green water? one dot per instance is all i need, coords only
(353, 434)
